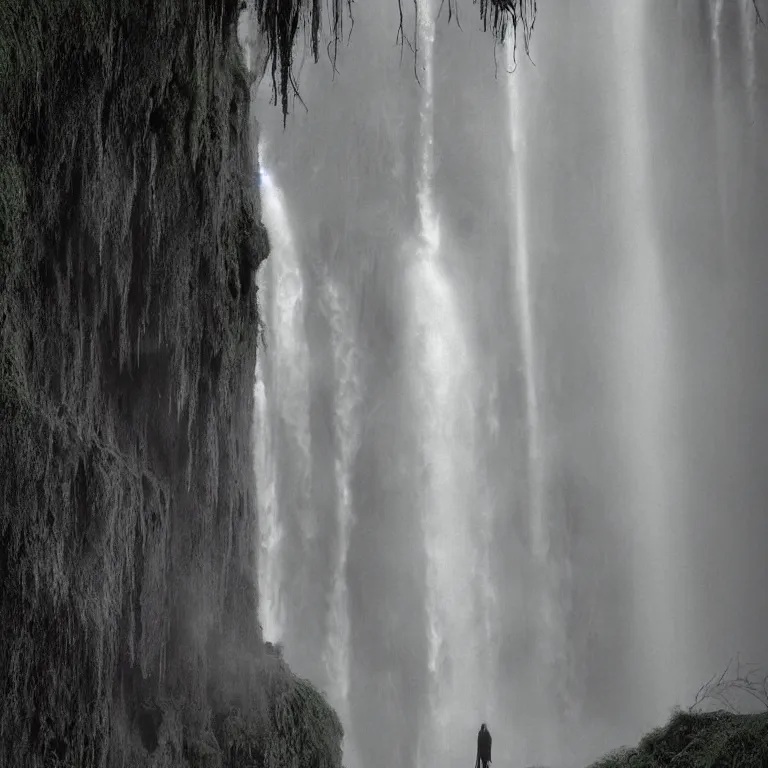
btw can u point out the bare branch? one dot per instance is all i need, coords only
(757, 13)
(746, 681)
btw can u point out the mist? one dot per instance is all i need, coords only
(511, 417)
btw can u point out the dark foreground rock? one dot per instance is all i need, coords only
(129, 234)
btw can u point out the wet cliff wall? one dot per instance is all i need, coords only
(129, 236)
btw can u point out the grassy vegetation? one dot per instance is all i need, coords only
(725, 738)
(699, 740)
(129, 232)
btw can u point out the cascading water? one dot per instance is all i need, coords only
(347, 401)
(646, 362)
(718, 101)
(270, 526)
(748, 19)
(282, 398)
(459, 691)
(521, 301)
(550, 676)
(510, 494)
(538, 534)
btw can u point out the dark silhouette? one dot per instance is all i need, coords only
(483, 747)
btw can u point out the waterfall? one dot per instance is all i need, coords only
(521, 294)
(646, 359)
(460, 694)
(271, 615)
(282, 398)
(430, 228)
(748, 18)
(549, 679)
(346, 418)
(718, 104)
(507, 457)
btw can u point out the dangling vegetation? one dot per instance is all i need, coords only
(281, 20)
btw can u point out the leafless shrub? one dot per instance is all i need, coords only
(736, 684)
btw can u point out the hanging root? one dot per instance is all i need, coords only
(280, 20)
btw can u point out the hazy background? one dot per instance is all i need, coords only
(562, 534)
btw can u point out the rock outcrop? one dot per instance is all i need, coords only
(129, 234)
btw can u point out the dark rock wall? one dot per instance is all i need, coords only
(129, 236)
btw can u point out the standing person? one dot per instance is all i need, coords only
(483, 747)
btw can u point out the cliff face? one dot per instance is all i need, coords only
(129, 235)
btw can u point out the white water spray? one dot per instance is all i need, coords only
(271, 615)
(346, 404)
(748, 18)
(718, 99)
(645, 363)
(550, 677)
(538, 529)
(282, 388)
(459, 694)
(716, 18)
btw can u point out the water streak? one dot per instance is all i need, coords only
(539, 538)
(430, 234)
(718, 104)
(459, 693)
(283, 386)
(748, 18)
(271, 613)
(646, 359)
(346, 404)
(549, 675)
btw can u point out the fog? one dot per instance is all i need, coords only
(512, 453)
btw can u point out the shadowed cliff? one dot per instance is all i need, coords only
(129, 237)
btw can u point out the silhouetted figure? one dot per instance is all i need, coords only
(483, 747)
